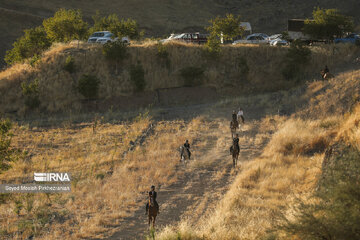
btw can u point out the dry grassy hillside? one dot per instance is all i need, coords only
(288, 168)
(57, 87)
(158, 17)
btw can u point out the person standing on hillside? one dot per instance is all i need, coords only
(240, 115)
(187, 147)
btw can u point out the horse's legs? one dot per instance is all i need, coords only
(153, 223)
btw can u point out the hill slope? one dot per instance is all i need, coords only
(159, 17)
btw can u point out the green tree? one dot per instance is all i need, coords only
(227, 27)
(296, 58)
(66, 25)
(34, 42)
(120, 28)
(327, 24)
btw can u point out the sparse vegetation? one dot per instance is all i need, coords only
(297, 57)
(192, 76)
(137, 77)
(70, 64)
(31, 93)
(163, 55)
(8, 154)
(88, 86)
(115, 52)
(332, 211)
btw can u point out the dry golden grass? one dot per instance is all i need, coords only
(57, 92)
(287, 169)
(99, 199)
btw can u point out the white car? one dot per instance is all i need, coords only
(106, 37)
(279, 42)
(256, 38)
(275, 36)
(172, 37)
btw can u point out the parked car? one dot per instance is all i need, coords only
(279, 42)
(105, 37)
(275, 36)
(351, 38)
(256, 38)
(187, 37)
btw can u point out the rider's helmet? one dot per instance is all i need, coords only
(187, 141)
(237, 135)
(152, 187)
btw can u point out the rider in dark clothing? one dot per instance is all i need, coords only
(236, 142)
(153, 195)
(326, 69)
(234, 117)
(187, 146)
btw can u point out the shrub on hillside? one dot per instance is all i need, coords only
(7, 153)
(192, 76)
(333, 211)
(243, 66)
(163, 55)
(115, 52)
(296, 58)
(70, 64)
(137, 77)
(212, 48)
(31, 94)
(88, 86)
(33, 43)
(66, 25)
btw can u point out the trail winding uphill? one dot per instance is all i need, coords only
(201, 182)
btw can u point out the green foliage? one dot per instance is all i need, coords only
(163, 54)
(35, 60)
(31, 44)
(212, 48)
(192, 76)
(7, 153)
(137, 77)
(31, 94)
(296, 58)
(66, 25)
(327, 24)
(70, 64)
(115, 51)
(333, 211)
(88, 86)
(118, 27)
(227, 27)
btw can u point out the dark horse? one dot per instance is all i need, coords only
(184, 153)
(152, 213)
(326, 75)
(234, 151)
(233, 126)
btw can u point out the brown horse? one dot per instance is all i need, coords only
(234, 150)
(152, 213)
(233, 126)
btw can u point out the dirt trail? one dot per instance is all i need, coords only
(201, 183)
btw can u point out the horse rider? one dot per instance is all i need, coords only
(240, 115)
(236, 142)
(187, 147)
(326, 69)
(152, 195)
(234, 116)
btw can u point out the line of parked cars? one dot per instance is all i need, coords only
(103, 37)
(262, 38)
